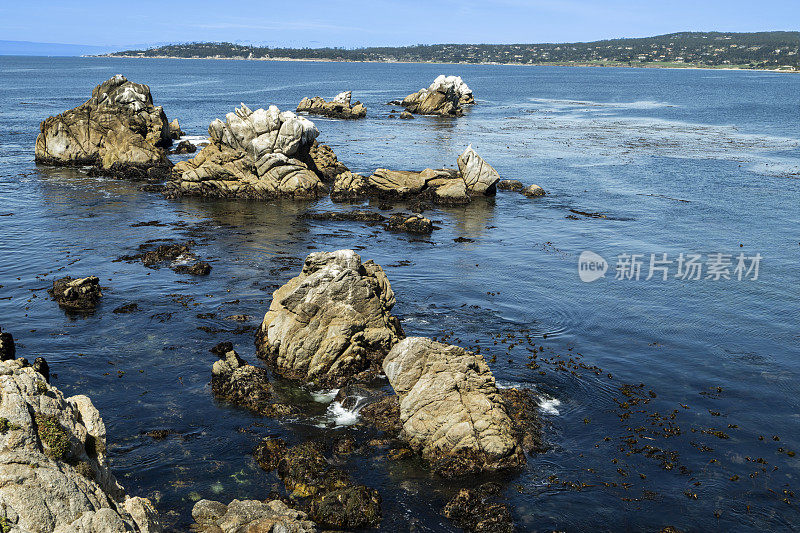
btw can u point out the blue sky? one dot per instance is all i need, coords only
(364, 23)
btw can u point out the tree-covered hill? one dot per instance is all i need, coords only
(771, 50)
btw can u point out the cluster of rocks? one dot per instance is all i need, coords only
(531, 191)
(118, 131)
(474, 177)
(253, 154)
(331, 326)
(446, 96)
(339, 107)
(180, 257)
(81, 294)
(54, 473)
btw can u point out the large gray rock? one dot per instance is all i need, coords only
(250, 516)
(332, 323)
(444, 96)
(54, 474)
(253, 154)
(118, 130)
(479, 176)
(339, 107)
(450, 408)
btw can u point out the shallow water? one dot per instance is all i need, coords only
(679, 162)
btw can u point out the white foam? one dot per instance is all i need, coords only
(197, 140)
(548, 405)
(341, 416)
(324, 396)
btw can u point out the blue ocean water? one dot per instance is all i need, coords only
(677, 161)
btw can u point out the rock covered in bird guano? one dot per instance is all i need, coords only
(339, 107)
(249, 516)
(118, 131)
(450, 408)
(54, 473)
(479, 176)
(253, 154)
(332, 323)
(444, 96)
(81, 294)
(533, 191)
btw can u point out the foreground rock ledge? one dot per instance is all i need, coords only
(118, 130)
(445, 97)
(54, 474)
(339, 107)
(332, 323)
(450, 408)
(258, 154)
(249, 516)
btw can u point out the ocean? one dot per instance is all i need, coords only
(665, 401)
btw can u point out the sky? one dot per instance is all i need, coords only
(357, 23)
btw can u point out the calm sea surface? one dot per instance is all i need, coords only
(678, 161)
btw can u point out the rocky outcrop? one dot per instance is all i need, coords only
(118, 131)
(445, 96)
(251, 516)
(253, 154)
(184, 147)
(81, 294)
(450, 408)
(339, 107)
(405, 115)
(332, 323)
(332, 499)
(322, 160)
(479, 176)
(54, 474)
(175, 131)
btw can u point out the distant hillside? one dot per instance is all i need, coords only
(27, 48)
(771, 50)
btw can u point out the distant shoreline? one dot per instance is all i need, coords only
(689, 66)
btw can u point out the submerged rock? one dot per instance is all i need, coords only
(334, 501)
(251, 516)
(472, 510)
(510, 185)
(533, 191)
(54, 473)
(81, 294)
(118, 130)
(350, 216)
(444, 96)
(331, 324)
(339, 107)
(451, 409)
(416, 223)
(253, 154)
(479, 176)
(185, 147)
